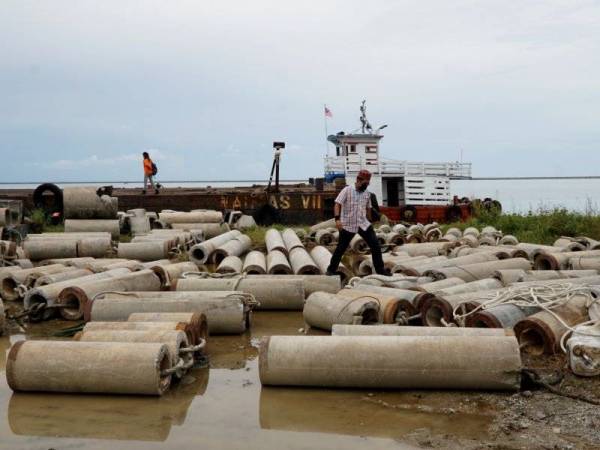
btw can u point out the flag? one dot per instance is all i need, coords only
(328, 112)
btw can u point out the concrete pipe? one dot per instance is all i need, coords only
(541, 332)
(419, 268)
(394, 330)
(433, 235)
(103, 264)
(427, 249)
(68, 236)
(79, 263)
(255, 263)
(474, 272)
(193, 324)
(543, 275)
(22, 262)
(324, 237)
(508, 239)
(312, 283)
(358, 244)
(455, 232)
(322, 256)
(175, 340)
(322, 225)
(139, 225)
(71, 274)
(274, 241)
(414, 238)
(200, 253)
(557, 261)
(48, 294)
(278, 264)
(384, 228)
(291, 239)
(170, 273)
(88, 367)
(480, 285)
(400, 228)
(226, 312)
(484, 240)
(489, 230)
(322, 310)
(210, 230)
(579, 281)
(409, 301)
(94, 248)
(501, 316)
(388, 303)
(591, 244)
(8, 249)
(75, 299)
(508, 276)
(397, 282)
(394, 239)
(11, 280)
(302, 263)
(144, 251)
(438, 311)
(230, 264)
(301, 233)
(578, 263)
(469, 240)
(393, 362)
(106, 226)
(84, 203)
(471, 231)
(130, 264)
(270, 293)
(206, 216)
(38, 249)
(4, 217)
(532, 250)
(438, 285)
(234, 247)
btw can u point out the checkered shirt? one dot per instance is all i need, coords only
(354, 208)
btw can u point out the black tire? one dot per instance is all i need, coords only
(453, 214)
(56, 206)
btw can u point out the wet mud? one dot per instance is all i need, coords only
(225, 407)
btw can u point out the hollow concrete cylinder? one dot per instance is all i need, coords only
(210, 230)
(62, 276)
(38, 249)
(394, 330)
(75, 299)
(94, 247)
(321, 225)
(302, 263)
(234, 247)
(271, 294)
(200, 253)
(139, 225)
(49, 294)
(501, 316)
(358, 244)
(427, 249)
(196, 323)
(225, 314)
(255, 263)
(192, 217)
(479, 285)
(438, 285)
(557, 261)
(322, 310)
(291, 239)
(230, 264)
(324, 237)
(144, 251)
(130, 264)
(584, 263)
(388, 303)
(474, 272)
(274, 241)
(278, 264)
(541, 332)
(322, 257)
(397, 362)
(106, 226)
(175, 341)
(407, 306)
(11, 280)
(84, 203)
(88, 367)
(169, 273)
(419, 268)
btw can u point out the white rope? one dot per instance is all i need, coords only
(544, 297)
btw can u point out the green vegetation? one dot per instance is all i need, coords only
(40, 222)
(539, 227)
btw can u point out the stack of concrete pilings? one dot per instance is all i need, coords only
(86, 211)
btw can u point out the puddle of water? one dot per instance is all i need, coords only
(225, 407)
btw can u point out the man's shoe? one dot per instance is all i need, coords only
(330, 273)
(387, 273)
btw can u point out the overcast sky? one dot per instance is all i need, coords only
(205, 87)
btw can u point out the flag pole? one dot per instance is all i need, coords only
(326, 134)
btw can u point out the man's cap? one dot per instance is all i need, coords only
(364, 175)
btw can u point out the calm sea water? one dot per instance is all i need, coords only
(515, 195)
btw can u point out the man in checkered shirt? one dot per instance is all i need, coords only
(352, 207)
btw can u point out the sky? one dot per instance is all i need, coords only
(206, 87)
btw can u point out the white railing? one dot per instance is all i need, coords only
(453, 170)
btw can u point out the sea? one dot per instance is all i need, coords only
(516, 196)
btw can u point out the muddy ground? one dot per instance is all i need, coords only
(225, 407)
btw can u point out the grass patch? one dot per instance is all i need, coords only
(543, 226)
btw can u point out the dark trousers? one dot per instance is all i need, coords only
(344, 241)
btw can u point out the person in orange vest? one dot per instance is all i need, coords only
(149, 172)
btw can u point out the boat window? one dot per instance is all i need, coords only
(371, 149)
(353, 148)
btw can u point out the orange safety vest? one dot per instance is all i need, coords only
(148, 167)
